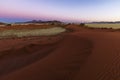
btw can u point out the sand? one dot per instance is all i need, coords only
(81, 54)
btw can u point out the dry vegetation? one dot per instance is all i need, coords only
(25, 31)
(109, 26)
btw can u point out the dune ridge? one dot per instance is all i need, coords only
(72, 47)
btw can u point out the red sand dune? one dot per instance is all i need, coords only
(80, 55)
(26, 27)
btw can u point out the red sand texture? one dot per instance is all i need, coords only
(26, 27)
(80, 55)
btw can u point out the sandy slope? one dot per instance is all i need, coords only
(80, 55)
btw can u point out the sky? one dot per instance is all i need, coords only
(63, 10)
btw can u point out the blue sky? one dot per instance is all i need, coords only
(64, 10)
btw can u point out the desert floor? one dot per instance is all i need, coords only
(81, 54)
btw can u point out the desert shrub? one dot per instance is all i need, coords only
(52, 23)
(8, 25)
(82, 24)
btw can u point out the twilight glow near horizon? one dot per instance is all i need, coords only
(63, 10)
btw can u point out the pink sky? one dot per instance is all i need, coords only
(65, 10)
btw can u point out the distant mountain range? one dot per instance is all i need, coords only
(40, 21)
(55, 21)
(59, 22)
(1, 23)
